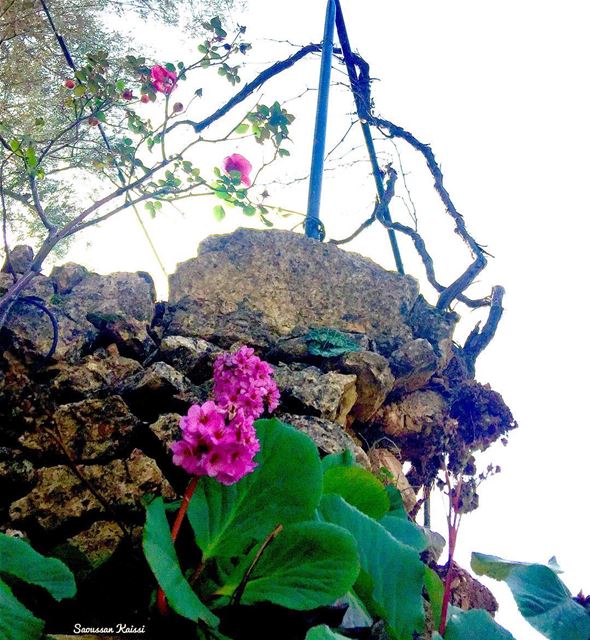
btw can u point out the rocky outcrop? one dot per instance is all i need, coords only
(363, 363)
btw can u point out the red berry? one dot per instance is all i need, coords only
(92, 121)
(70, 84)
(145, 98)
(127, 94)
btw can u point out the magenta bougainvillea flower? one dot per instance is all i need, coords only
(218, 437)
(237, 162)
(163, 80)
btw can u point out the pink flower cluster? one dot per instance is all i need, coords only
(218, 437)
(237, 162)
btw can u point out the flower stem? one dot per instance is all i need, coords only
(186, 498)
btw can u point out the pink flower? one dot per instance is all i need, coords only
(237, 162)
(163, 80)
(218, 437)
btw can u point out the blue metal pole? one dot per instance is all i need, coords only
(313, 226)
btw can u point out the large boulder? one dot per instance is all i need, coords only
(257, 286)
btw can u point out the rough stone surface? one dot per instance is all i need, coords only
(93, 375)
(413, 364)
(90, 549)
(374, 381)
(328, 436)
(167, 429)
(61, 497)
(256, 286)
(67, 276)
(385, 459)
(19, 259)
(310, 390)
(193, 357)
(415, 413)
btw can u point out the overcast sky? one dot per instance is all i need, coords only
(499, 89)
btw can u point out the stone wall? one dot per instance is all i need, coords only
(362, 360)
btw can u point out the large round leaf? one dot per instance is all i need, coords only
(19, 559)
(541, 597)
(359, 488)
(392, 574)
(161, 556)
(286, 487)
(308, 565)
(16, 621)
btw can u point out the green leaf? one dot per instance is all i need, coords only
(14, 144)
(396, 502)
(541, 597)
(476, 623)
(242, 128)
(392, 574)
(435, 589)
(283, 153)
(343, 459)
(405, 531)
(286, 487)
(359, 488)
(19, 559)
(161, 556)
(16, 621)
(323, 633)
(218, 212)
(308, 565)
(80, 90)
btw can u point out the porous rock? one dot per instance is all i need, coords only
(414, 413)
(256, 286)
(193, 357)
(309, 390)
(61, 497)
(374, 381)
(328, 436)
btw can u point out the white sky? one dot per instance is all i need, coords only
(499, 89)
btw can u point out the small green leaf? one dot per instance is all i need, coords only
(14, 144)
(283, 153)
(359, 488)
(242, 128)
(161, 556)
(218, 213)
(80, 90)
(308, 565)
(435, 589)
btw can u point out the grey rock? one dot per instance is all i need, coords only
(384, 459)
(374, 381)
(66, 276)
(90, 549)
(309, 390)
(417, 412)
(103, 370)
(193, 357)
(413, 364)
(19, 259)
(328, 436)
(60, 497)
(157, 389)
(256, 286)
